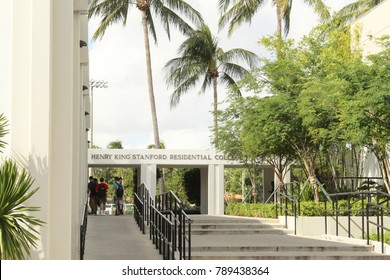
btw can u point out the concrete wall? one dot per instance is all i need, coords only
(315, 226)
(43, 70)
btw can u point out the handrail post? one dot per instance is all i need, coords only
(362, 213)
(368, 223)
(337, 216)
(326, 219)
(382, 232)
(349, 215)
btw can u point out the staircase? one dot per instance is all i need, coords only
(237, 238)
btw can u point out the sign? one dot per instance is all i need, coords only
(156, 156)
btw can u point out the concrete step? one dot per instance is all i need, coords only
(236, 248)
(239, 238)
(238, 231)
(197, 226)
(202, 219)
(287, 256)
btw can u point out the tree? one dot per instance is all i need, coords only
(201, 59)
(233, 138)
(116, 11)
(18, 228)
(236, 12)
(297, 119)
(365, 116)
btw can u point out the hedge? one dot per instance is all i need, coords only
(307, 208)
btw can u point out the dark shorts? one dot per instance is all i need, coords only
(102, 200)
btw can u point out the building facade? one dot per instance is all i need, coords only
(44, 95)
(370, 27)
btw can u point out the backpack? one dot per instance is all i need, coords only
(92, 188)
(119, 191)
(101, 190)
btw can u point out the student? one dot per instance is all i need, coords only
(118, 195)
(101, 190)
(92, 195)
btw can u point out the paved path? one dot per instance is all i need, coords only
(117, 238)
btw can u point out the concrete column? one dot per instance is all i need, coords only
(216, 189)
(204, 190)
(64, 181)
(148, 177)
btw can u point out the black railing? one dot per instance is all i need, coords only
(371, 205)
(169, 225)
(379, 211)
(172, 207)
(162, 233)
(286, 203)
(83, 230)
(142, 202)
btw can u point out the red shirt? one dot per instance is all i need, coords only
(104, 185)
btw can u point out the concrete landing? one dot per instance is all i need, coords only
(117, 238)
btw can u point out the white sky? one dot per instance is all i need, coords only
(122, 111)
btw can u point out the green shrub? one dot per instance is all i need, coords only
(307, 208)
(374, 237)
(259, 210)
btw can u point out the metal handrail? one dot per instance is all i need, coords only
(380, 228)
(170, 205)
(367, 203)
(286, 199)
(170, 226)
(139, 212)
(162, 233)
(83, 229)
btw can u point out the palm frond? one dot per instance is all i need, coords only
(111, 12)
(320, 8)
(239, 54)
(3, 130)
(242, 11)
(18, 231)
(231, 83)
(150, 25)
(352, 11)
(176, 13)
(234, 70)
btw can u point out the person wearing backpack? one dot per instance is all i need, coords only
(101, 190)
(118, 195)
(93, 198)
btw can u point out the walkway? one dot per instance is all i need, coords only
(215, 237)
(117, 238)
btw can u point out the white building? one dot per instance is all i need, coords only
(43, 71)
(371, 26)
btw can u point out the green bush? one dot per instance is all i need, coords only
(259, 210)
(307, 208)
(374, 237)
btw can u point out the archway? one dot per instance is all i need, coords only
(210, 163)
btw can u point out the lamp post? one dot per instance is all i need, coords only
(95, 84)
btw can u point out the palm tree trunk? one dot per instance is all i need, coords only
(150, 81)
(215, 84)
(151, 91)
(279, 18)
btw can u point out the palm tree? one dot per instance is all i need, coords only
(116, 11)
(202, 59)
(17, 226)
(236, 12)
